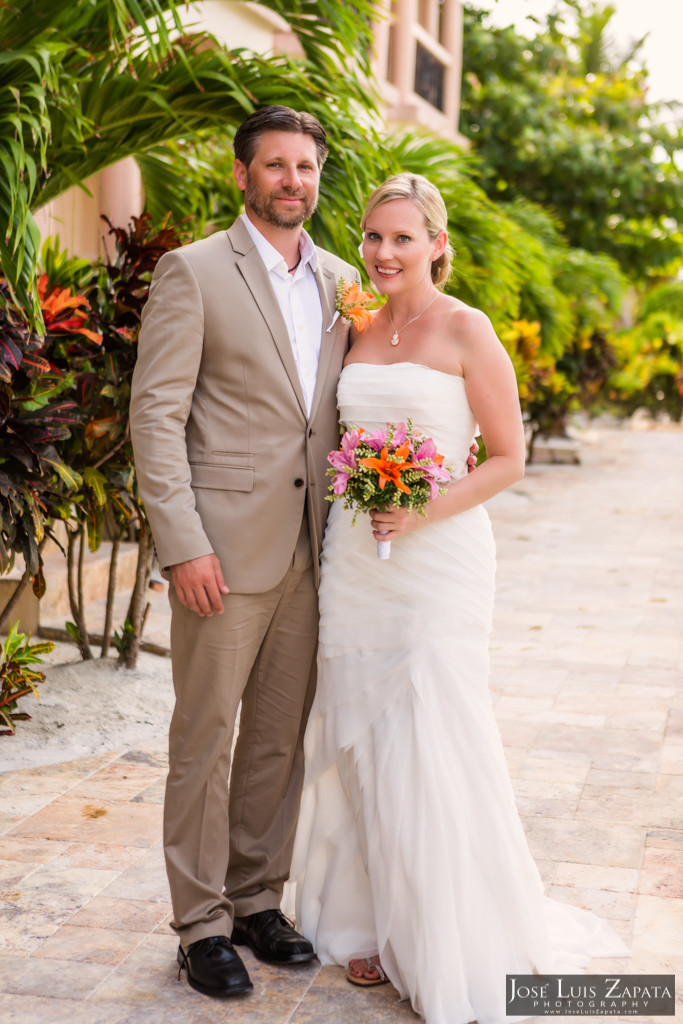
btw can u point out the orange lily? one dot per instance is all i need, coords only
(389, 471)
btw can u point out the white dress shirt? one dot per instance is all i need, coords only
(299, 300)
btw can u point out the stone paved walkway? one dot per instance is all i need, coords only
(587, 658)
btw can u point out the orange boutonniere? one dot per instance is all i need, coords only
(352, 303)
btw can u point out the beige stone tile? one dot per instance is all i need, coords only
(515, 758)
(92, 945)
(331, 1000)
(607, 965)
(125, 915)
(546, 797)
(671, 759)
(55, 882)
(25, 931)
(119, 782)
(551, 765)
(59, 979)
(12, 872)
(546, 869)
(144, 880)
(658, 926)
(629, 806)
(654, 650)
(38, 850)
(605, 903)
(164, 927)
(59, 820)
(670, 784)
(153, 794)
(613, 749)
(22, 1009)
(103, 856)
(641, 720)
(674, 725)
(643, 962)
(661, 873)
(596, 876)
(517, 734)
(621, 780)
(21, 801)
(665, 839)
(523, 708)
(600, 702)
(584, 842)
(129, 824)
(9, 821)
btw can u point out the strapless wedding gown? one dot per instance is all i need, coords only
(409, 842)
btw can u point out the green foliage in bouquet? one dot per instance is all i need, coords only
(17, 675)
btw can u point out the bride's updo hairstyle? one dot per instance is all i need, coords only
(427, 198)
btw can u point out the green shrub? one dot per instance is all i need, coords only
(17, 677)
(664, 298)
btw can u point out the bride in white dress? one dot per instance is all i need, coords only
(410, 851)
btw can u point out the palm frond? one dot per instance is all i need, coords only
(87, 82)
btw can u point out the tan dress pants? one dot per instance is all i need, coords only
(260, 651)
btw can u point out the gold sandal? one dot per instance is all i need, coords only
(371, 966)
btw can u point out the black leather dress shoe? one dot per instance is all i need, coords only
(272, 938)
(214, 968)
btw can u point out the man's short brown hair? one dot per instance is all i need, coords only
(278, 119)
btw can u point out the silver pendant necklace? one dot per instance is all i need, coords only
(395, 338)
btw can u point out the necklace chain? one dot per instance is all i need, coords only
(292, 269)
(395, 336)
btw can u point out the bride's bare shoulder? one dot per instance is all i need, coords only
(466, 324)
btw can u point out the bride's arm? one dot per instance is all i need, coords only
(492, 393)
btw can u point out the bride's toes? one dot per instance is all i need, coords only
(366, 971)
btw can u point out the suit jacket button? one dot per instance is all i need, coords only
(298, 482)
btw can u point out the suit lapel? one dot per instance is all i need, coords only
(252, 269)
(327, 287)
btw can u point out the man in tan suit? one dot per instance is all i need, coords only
(233, 412)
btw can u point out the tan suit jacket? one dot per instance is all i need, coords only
(224, 449)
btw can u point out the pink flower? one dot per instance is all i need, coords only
(427, 450)
(343, 459)
(376, 440)
(340, 482)
(435, 475)
(401, 435)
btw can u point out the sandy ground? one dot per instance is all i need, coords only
(87, 707)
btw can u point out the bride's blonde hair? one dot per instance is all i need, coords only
(429, 202)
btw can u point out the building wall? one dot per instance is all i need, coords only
(417, 63)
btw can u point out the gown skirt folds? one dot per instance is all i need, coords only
(409, 841)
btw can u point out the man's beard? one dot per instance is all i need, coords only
(265, 208)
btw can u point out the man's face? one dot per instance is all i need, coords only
(281, 183)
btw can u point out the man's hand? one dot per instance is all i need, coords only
(199, 584)
(472, 457)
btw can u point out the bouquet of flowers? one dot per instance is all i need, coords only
(393, 468)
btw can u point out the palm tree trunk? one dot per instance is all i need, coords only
(137, 610)
(111, 594)
(75, 584)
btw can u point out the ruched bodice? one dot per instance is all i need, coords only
(409, 840)
(371, 395)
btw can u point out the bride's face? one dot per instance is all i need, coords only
(397, 249)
